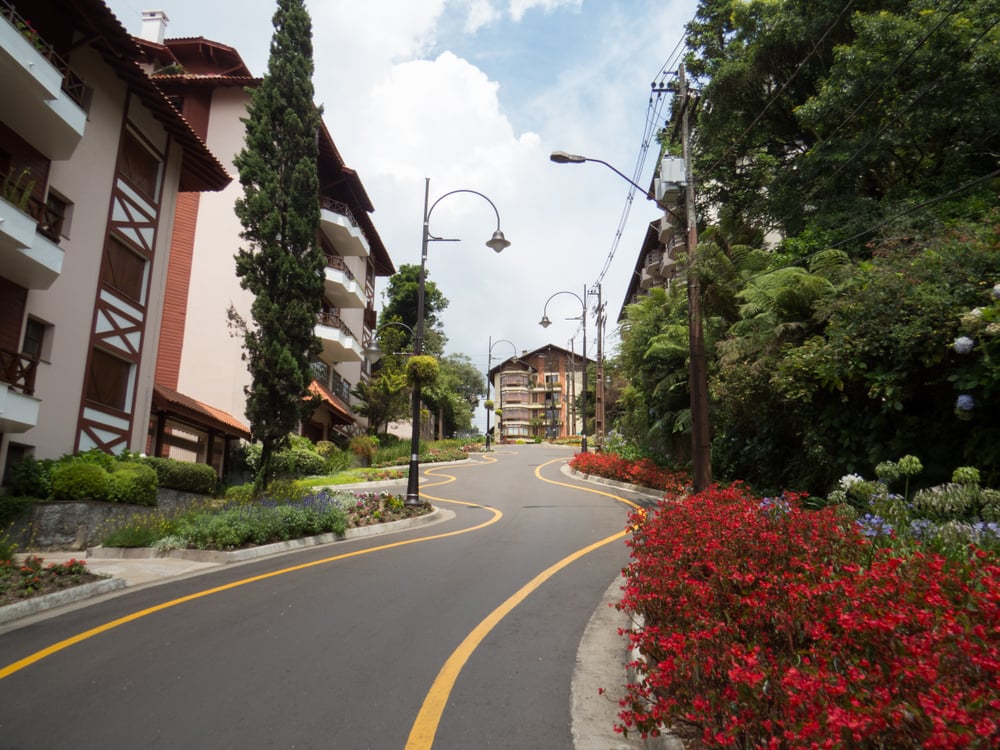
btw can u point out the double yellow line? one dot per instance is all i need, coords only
(428, 719)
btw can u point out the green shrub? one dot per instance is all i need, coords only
(80, 480)
(132, 482)
(183, 475)
(94, 456)
(13, 506)
(364, 447)
(338, 461)
(31, 477)
(302, 462)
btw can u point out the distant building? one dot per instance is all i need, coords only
(540, 394)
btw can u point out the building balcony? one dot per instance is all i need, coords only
(18, 406)
(45, 99)
(668, 228)
(339, 342)
(27, 257)
(340, 285)
(338, 224)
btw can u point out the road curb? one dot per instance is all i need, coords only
(19, 610)
(16, 611)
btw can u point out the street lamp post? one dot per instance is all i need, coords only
(701, 452)
(545, 323)
(496, 243)
(489, 367)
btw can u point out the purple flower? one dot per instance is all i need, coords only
(965, 402)
(963, 345)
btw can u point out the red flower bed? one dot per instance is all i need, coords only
(642, 472)
(766, 626)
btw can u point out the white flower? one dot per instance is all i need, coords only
(848, 480)
(963, 345)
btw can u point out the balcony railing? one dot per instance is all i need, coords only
(18, 371)
(338, 208)
(335, 261)
(332, 319)
(72, 85)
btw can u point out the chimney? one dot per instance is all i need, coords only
(154, 26)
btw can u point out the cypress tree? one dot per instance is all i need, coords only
(282, 264)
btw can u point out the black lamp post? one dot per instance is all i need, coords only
(497, 243)
(701, 452)
(545, 323)
(489, 367)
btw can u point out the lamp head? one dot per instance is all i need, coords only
(545, 322)
(373, 353)
(561, 157)
(497, 242)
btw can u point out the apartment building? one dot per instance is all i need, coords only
(200, 353)
(93, 159)
(540, 394)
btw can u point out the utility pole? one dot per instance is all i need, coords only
(599, 382)
(701, 448)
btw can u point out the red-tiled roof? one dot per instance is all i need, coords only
(337, 408)
(197, 413)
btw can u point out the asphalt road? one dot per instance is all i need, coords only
(462, 634)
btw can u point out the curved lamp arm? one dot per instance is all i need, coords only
(373, 352)
(497, 242)
(545, 322)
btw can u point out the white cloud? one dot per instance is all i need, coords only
(519, 7)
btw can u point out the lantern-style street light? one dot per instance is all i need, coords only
(489, 367)
(545, 323)
(496, 243)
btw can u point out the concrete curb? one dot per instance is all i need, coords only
(594, 479)
(37, 604)
(19, 610)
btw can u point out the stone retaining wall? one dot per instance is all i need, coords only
(79, 525)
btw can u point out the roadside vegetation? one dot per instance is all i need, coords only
(867, 618)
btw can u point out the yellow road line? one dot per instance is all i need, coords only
(85, 635)
(429, 717)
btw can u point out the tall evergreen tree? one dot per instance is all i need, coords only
(282, 264)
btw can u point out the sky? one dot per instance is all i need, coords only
(475, 95)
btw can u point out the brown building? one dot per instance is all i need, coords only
(540, 394)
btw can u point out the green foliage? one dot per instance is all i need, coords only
(363, 447)
(132, 482)
(402, 296)
(31, 477)
(817, 121)
(283, 264)
(13, 507)
(80, 480)
(183, 475)
(422, 370)
(299, 460)
(454, 395)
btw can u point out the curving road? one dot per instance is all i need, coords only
(462, 634)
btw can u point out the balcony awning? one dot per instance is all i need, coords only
(197, 414)
(339, 412)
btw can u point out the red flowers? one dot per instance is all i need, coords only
(642, 472)
(762, 627)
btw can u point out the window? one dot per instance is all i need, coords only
(108, 380)
(123, 269)
(37, 339)
(58, 212)
(139, 166)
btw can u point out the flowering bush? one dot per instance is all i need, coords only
(761, 628)
(641, 471)
(31, 577)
